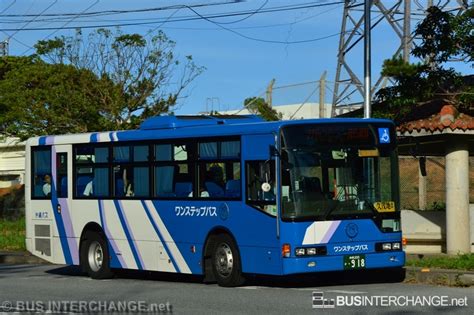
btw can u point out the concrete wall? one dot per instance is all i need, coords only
(426, 231)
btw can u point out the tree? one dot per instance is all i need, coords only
(38, 98)
(444, 37)
(117, 80)
(258, 106)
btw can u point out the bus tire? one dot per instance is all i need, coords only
(95, 259)
(226, 263)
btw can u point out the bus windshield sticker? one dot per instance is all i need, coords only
(369, 153)
(384, 135)
(385, 206)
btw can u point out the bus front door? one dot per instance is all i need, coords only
(62, 176)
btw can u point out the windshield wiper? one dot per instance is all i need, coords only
(330, 210)
(371, 206)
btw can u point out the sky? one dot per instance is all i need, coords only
(236, 67)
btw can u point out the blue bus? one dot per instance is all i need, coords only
(223, 197)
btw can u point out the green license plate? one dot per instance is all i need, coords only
(354, 262)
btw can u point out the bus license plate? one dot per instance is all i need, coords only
(354, 262)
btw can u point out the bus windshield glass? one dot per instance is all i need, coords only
(337, 172)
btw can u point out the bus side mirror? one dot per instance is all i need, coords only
(422, 162)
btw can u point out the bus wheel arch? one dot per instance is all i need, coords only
(221, 244)
(94, 255)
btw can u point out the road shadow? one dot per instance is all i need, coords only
(324, 279)
(75, 271)
(295, 281)
(10, 268)
(72, 271)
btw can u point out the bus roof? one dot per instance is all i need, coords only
(171, 127)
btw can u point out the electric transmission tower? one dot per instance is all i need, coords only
(394, 20)
(4, 48)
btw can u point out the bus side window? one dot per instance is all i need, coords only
(41, 187)
(219, 169)
(61, 174)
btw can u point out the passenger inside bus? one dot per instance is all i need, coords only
(88, 190)
(127, 188)
(47, 185)
(215, 183)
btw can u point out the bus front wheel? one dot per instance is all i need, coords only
(95, 256)
(226, 262)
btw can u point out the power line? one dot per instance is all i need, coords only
(268, 40)
(114, 12)
(16, 40)
(304, 102)
(162, 23)
(248, 16)
(189, 18)
(55, 1)
(8, 7)
(154, 21)
(72, 19)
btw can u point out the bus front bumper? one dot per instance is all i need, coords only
(336, 263)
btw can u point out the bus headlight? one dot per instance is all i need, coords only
(387, 246)
(311, 251)
(299, 252)
(396, 246)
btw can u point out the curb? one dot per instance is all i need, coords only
(19, 258)
(449, 277)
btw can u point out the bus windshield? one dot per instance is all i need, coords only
(337, 172)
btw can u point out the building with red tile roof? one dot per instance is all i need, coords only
(449, 133)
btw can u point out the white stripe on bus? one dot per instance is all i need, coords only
(174, 251)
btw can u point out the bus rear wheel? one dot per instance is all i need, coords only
(95, 256)
(226, 262)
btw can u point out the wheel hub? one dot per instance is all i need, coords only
(95, 256)
(224, 260)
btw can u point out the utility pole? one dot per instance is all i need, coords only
(367, 60)
(269, 92)
(322, 95)
(406, 31)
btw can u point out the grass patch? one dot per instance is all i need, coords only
(12, 234)
(464, 262)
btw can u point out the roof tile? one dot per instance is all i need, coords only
(447, 118)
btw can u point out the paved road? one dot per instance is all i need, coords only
(42, 287)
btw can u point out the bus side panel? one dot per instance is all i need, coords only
(188, 224)
(40, 226)
(133, 236)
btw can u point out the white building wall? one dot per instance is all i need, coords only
(12, 162)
